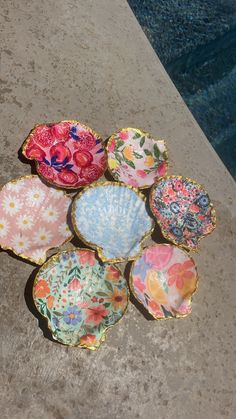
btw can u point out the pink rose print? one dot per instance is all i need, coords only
(61, 131)
(112, 145)
(162, 169)
(91, 172)
(59, 153)
(43, 136)
(83, 158)
(46, 171)
(141, 173)
(123, 135)
(68, 176)
(36, 153)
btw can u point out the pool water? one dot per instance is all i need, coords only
(196, 42)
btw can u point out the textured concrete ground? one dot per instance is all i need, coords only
(91, 61)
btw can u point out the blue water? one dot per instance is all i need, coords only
(196, 42)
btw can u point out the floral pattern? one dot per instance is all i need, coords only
(32, 218)
(68, 154)
(183, 210)
(74, 292)
(135, 158)
(113, 218)
(163, 279)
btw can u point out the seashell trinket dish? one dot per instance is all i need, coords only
(183, 210)
(80, 297)
(163, 280)
(68, 154)
(112, 218)
(33, 218)
(136, 158)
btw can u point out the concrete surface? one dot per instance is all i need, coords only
(89, 60)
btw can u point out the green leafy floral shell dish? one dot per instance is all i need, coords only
(80, 297)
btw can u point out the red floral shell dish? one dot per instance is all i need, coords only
(68, 154)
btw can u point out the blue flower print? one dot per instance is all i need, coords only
(72, 315)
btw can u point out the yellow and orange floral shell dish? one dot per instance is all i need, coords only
(136, 158)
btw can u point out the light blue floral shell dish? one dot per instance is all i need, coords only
(112, 218)
(80, 297)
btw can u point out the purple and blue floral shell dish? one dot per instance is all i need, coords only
(136, 158)
(183, 210)
(112, 218)
(68, 154)
(164, 279)
(80, 297)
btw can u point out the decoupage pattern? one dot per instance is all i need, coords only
(163, 279)
(68, 154)
(33, 218)
(113, 218)
(80, 297)
(135, 158)
(183, 210)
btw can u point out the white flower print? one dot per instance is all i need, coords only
(42, 236)
(64, 230)
(50, 214)
(38, 256)
(24, 222)
(56, 193)
(20, 243)
(11, 205)
(4, 227)
(35, 196)
(14, 186)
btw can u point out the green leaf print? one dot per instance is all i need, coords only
(156, 151)
(137, 135)
(109, 286)
(142, 141)
(147, 152)
(118, 157)
(130, 163)
(57, 313)
(101, 294)
(48, 314)
(137, 155)
(119, 144)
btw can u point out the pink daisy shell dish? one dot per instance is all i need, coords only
(33, 218)
(164, 279)
(136, 158)
(68, 154)
(183, 210)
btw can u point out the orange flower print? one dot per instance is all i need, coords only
(128, 152)
(50, 301)
(112, 273)
(87, 257)
(149, 161)
(41, 288)
(183, 277)
(88, 340)
(96, 314)
(118, 299)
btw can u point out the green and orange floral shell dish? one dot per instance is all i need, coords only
(80, 297)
